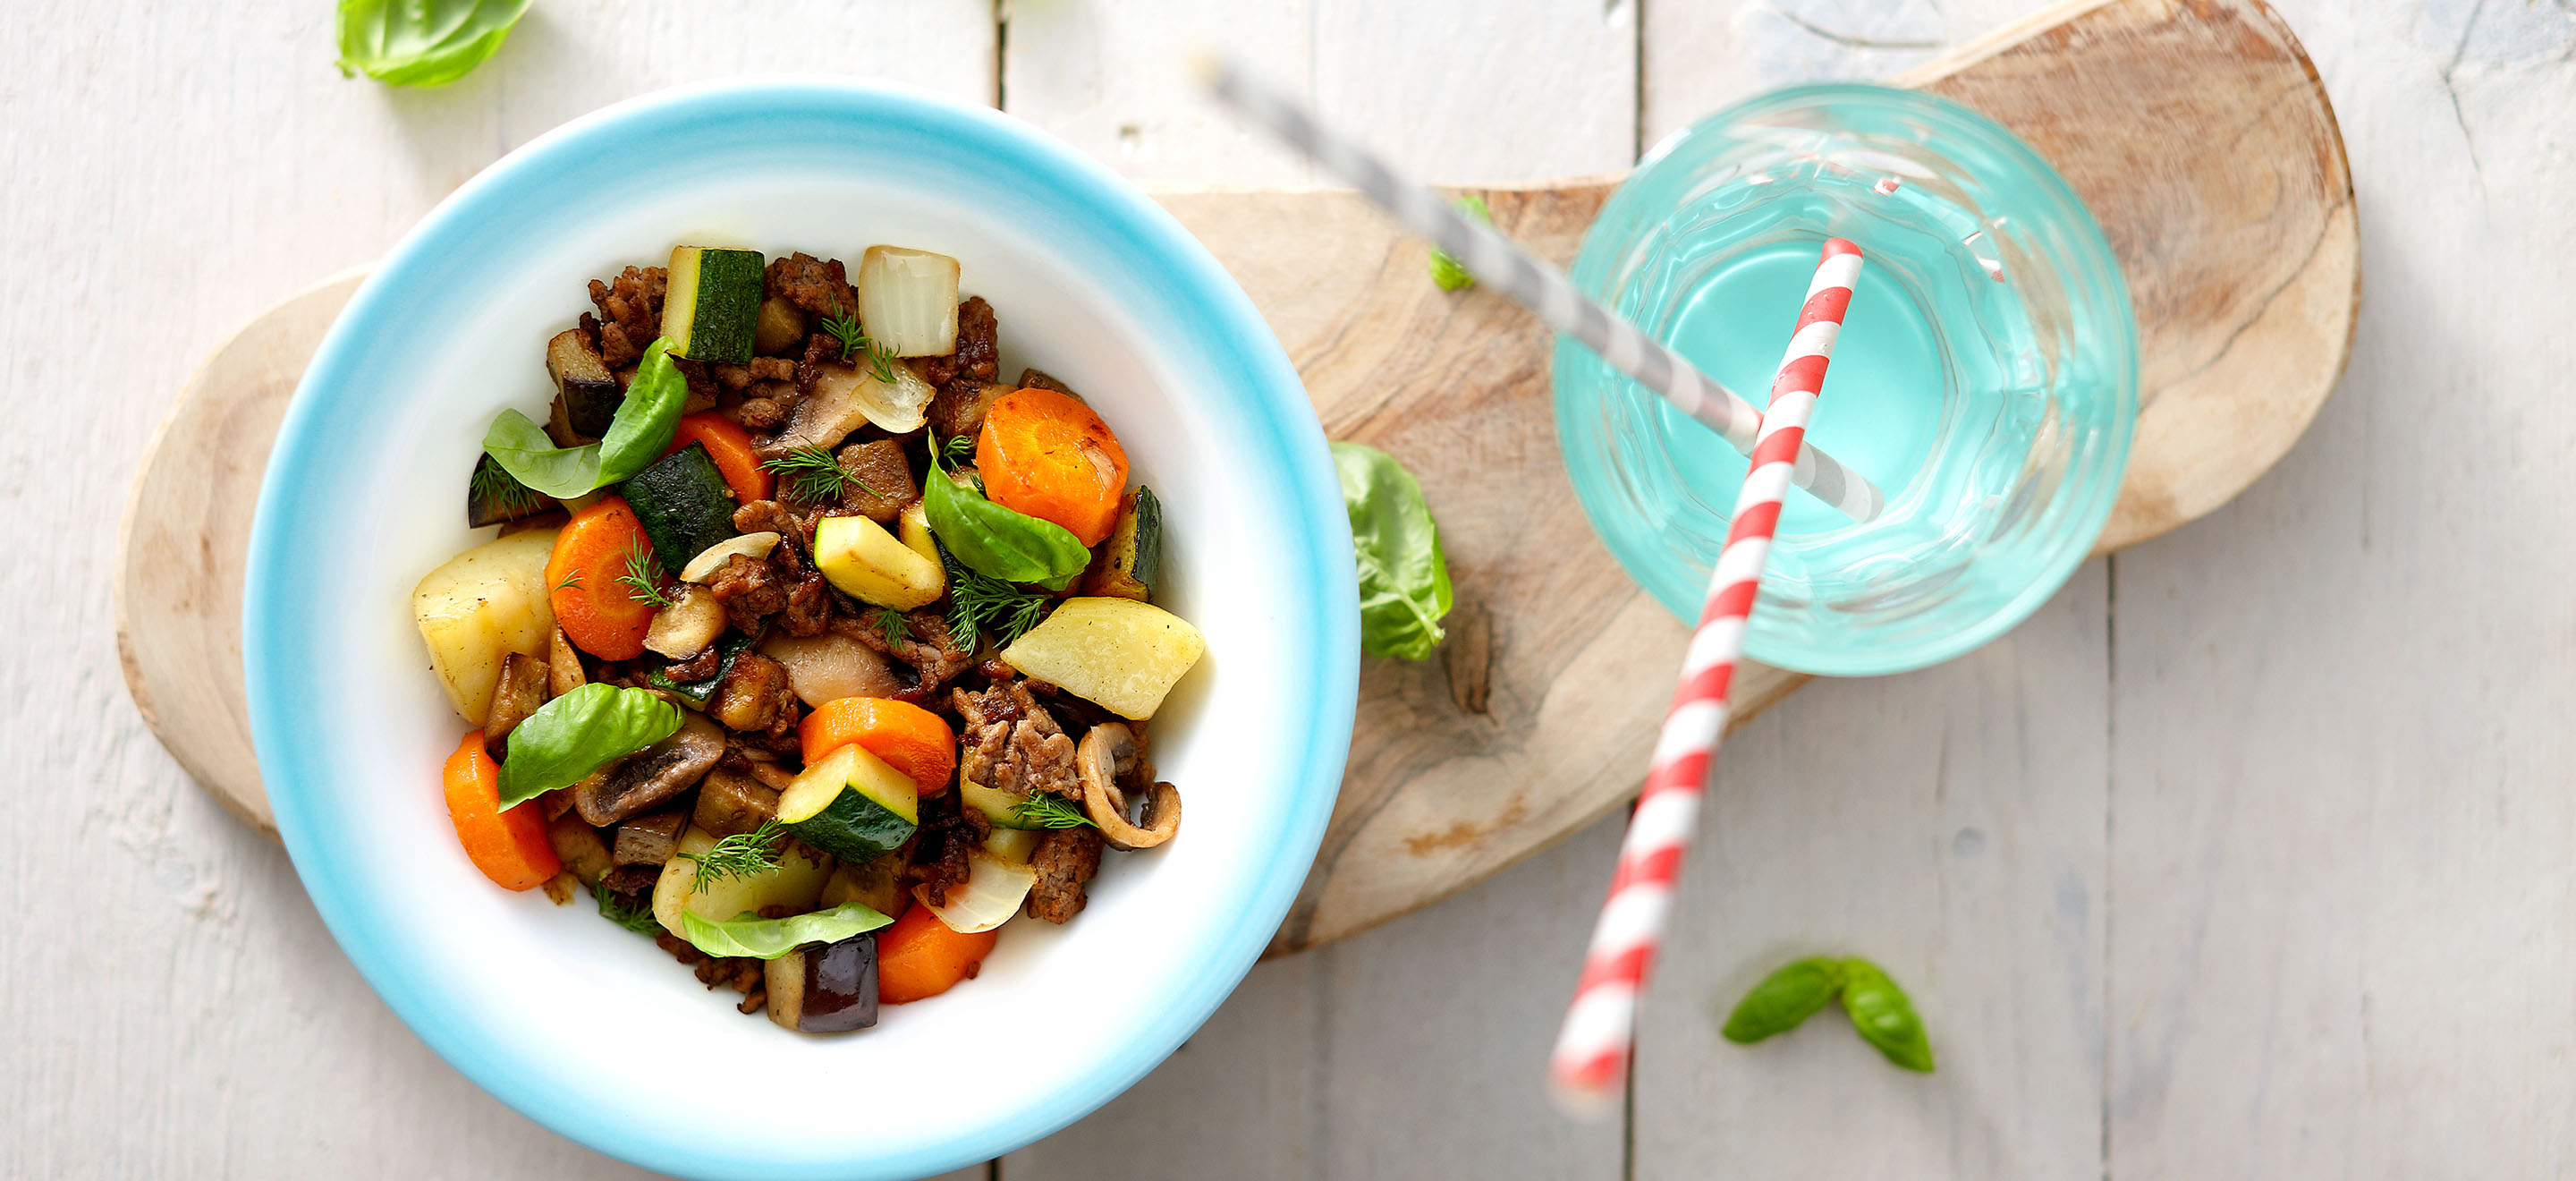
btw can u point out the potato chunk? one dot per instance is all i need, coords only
(1122, 654)
(483, 605)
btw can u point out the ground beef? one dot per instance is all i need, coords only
(770, 516)
(630, 313)
(754, 696)
(631, 882)
(947, 835)
(750, 590)
(879, 484)
(958, 408)
(818, 285)
(1010, 742)
(809, 598)
(820, 349)
(736, 377)
(923, 643)
(978, 359)
(1066, 858)
(696, 668)
(740, 973)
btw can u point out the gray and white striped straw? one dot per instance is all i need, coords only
(1541, 288)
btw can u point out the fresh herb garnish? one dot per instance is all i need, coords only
(422, 42)
(958, 450)
(1446, 271)
(1049, 811)
(750, 935)
(815, 475)
(643, 578)
(638, 919)
(979, 604)
(1404, 576)
(580, 732)
(571, 579)
(637, 434)
(889, 623)
(739, 855)
(997, 541)
(1796, 991)
(498, 491)
(845, 329)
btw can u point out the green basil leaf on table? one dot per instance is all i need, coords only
(1883, 1015)
(767, 939)
(422, 42)
(1447, 273)
(995, 541)
(1404, 576)
(1784, 1000)
(580, 732)
(642, 427)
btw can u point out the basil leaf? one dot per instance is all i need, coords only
(995, 541)
(1404, 576)
(422, 42)
(1883, 1015)
(643, 426)
(768, 939)
(580, 732)
(1784, 1000)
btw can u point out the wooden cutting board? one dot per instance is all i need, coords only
(2197, 132)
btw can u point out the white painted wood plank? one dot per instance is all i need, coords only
(1946, 824)
(170, 1006)
(2341, 840)
(1702, 56)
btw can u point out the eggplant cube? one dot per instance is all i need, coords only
(827, 989)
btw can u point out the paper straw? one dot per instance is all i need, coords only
(1544, 290)
(1591, 1058)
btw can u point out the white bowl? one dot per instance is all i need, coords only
(592, 1030)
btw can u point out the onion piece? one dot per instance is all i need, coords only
(992, 893)
(713, 558)
(908, 300)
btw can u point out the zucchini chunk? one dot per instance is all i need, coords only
(851, 805)
(589, 395)
(859, 558)
(684, 505)
(711, 307)
(1134, 553)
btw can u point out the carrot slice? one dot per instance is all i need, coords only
(920, 957)
(511, 848)
(909, 738)
(1046, 454)
(730, 447)
(599, 614)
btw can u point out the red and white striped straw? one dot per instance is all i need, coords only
(1591, 1058)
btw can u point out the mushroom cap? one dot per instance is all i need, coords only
(651, 775)
(1106, 753)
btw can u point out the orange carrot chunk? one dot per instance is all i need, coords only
(730, 447)
(920, 957)
(909, 738)
(511, 847)
(598, 613)
(1046, 454)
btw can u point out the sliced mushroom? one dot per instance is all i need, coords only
(563, 666)
(650, 839)
(521, 691)
(688, 625)
(1108, 749)
(651, 775)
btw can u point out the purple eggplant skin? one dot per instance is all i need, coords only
(840, 986)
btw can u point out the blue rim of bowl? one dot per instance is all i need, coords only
(1200, 293)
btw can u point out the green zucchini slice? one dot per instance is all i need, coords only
(684, 505)
(1133, 555)
(711, 306)
(851, 805)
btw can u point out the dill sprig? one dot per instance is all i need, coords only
(643, 578)
(845, 329)
(957, 450)
(571, 579)
(738, 855)
(638, 919)
(982, 604)
(815, 475)
(494, 485)
(889, 622)
(1049, 811)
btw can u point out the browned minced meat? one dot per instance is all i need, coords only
(705, 664)
(924, 644)
(631, 881)
(630, 313)
(879, 484)
(754, 696)
(818, 285)
(958, 408)
(948, 833)
(1066, 858)
(735, 377)
(741, 973)
(1010, 742)
(770, 516)
(750, 590)
(978, 358)
(820, 349)
(809, 598)
(765, 409)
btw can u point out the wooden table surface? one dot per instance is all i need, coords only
(2253, 854)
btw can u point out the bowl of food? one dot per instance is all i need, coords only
(752, 579)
